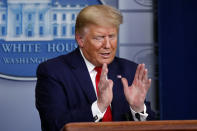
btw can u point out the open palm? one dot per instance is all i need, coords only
(136, 93)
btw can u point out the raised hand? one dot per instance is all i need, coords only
(136, 93)
(105, 93)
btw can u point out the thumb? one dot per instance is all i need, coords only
(110, 83)
(124, 82)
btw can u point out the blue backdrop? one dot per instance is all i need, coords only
(177, 58)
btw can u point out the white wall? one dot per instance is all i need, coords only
(136, 38)
(17, 106)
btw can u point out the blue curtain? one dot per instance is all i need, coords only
(177, 38)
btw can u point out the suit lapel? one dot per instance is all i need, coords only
(113, 72)
(119, 100)
(81, 73)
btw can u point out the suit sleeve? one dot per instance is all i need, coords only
(52, 104)
(151, 113)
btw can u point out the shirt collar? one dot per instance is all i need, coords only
(89, 65)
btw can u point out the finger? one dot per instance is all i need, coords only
(149, 84)
(145, 75)
(104, 72)
(124, 82)
(137, 72)
(110, 82)
(141, 71)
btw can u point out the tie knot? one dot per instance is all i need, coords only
(98, 69)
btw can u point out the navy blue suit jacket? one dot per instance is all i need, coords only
(65, 93)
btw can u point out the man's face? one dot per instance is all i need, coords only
(99, 44)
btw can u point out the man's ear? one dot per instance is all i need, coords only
(80, 40)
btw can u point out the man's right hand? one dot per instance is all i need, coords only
(105, 93)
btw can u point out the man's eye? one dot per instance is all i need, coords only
(111, 36)
(99, 38)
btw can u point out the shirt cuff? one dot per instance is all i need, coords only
(97, 114)
(143, 116)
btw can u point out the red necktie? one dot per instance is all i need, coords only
(108, 115)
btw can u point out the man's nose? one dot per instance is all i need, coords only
(107, 43)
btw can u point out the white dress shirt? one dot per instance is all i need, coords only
(97, 114)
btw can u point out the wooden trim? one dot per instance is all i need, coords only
(180, 125)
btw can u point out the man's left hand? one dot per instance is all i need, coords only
(136, 93)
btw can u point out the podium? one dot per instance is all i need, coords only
(171, 125)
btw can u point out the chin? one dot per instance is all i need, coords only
(107, 61)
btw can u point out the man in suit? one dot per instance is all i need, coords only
(90, 84)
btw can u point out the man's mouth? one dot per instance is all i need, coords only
(105, 55)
